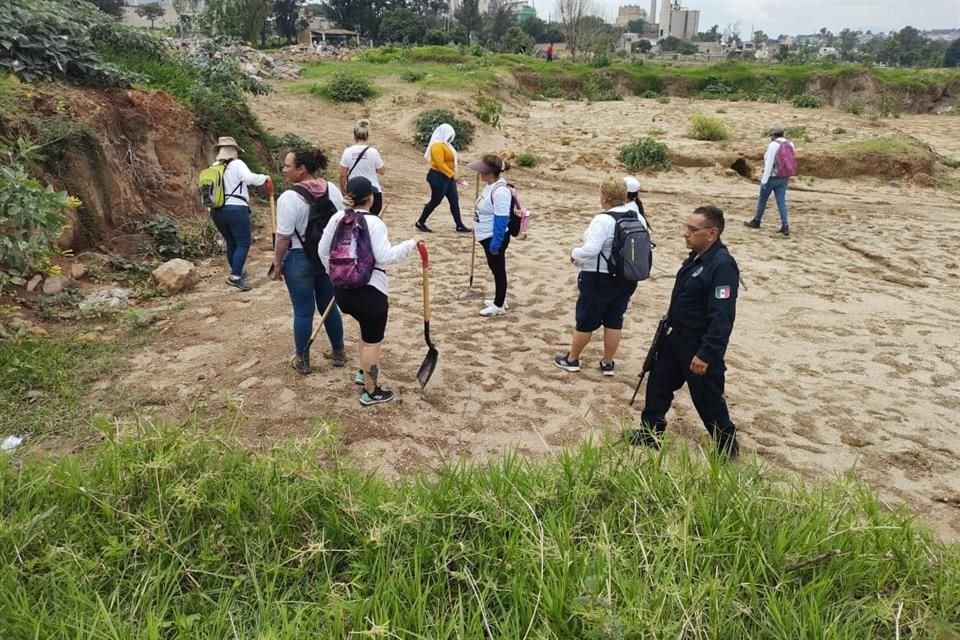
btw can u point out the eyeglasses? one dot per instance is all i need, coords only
(691, 230)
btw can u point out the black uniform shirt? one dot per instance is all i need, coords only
(704, 300)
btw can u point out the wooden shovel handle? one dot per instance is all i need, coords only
(425, 261)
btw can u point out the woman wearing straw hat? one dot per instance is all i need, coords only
(233, 218)
(442, 177)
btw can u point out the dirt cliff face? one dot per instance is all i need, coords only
(140, 160)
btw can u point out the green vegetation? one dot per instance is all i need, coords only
(527, 159)
(890, 145)
(795, 132)
(838, 131)
(345, 87)
(807, 101)
(604, 542)
(856, 107)
(430, 120)
(642, 153)
(190, 238)
(704, 127)
(600, 87)
(412, 76)
(487, 109)
(953, 163)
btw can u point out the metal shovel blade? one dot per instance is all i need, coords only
(427, 367)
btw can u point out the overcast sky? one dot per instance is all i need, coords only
(805, 16)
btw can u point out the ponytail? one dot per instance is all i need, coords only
(312, 160)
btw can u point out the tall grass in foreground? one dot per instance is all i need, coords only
(167, 535)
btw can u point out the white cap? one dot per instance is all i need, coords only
(633, 185)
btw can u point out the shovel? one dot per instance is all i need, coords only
(273, 236)
(323, 318)
(473, 293)
(430, 360)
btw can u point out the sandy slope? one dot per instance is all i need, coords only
(845, 353)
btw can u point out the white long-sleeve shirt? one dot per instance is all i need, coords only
(383, 252)
(598, 241)
(487, 208)
(770, 157)
(236, 177)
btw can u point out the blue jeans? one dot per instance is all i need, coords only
(442, 187)
(310, 288)
(233, 223)
(777, 186)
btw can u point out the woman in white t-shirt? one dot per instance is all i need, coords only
(309, 286)
(490, 221)
(364, 160)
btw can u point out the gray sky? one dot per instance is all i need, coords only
(805, 16)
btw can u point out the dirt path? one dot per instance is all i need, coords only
(845, 353)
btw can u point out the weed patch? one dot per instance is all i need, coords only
(807, 101)
(346, 87)
(527, 159)
(430, 120)
(642, 153)
(704, 127)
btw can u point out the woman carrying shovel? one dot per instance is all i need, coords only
(308, 285)
(491, 217)
(368, 303)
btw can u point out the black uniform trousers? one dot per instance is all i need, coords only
(669, 372)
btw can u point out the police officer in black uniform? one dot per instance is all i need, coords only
(702, 310)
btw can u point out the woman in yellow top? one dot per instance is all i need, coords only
(442, 177)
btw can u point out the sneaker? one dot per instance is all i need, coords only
(422, 226)
(302, 365)
(464, 229)
(785, 231)
(753, 224)
(489, 303)
(493, 310)
(606, 368)
(567, 365)
(641, 438)
(379, 395)
(358, 378)
(239, 282)
(338, 358)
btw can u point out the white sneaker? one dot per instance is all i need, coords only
(489, 303)
(493, 310)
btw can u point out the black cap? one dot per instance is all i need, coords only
(359, 189)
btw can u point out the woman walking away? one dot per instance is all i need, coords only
(633, 196)
(442, 177)
(233, 218)
(363, 159)
(308, 284)
(368, 303)
(492, 214)
(603, 297)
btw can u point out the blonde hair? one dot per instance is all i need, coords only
(613, 191)
(361, 131)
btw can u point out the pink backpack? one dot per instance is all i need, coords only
(785, 164)
(351, 253)
(519, 216)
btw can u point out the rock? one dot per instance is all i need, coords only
(175, 276)
(287, 396)
(730, 173)
(38, 331)
(106, 298)
(54, 285)
(78, 270)
(34, 282)
(252, 381)
(248, 364)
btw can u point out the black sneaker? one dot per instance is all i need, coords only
(784, 231)
(422, 226)
(379, 395)
(641, 438)
(464, 229)
(606, 368)
(753, 224)
(567, 365)
(302, 365)
(239, 282)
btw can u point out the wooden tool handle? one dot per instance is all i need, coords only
(425, 261)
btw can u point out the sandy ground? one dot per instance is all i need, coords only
(844, 355)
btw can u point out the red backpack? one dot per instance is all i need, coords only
(785, 164)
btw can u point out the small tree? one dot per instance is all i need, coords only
(573, 14)
(151, 11)
(468, 13)
(516, 40)
(952, 57)
(643, 45)
(636, 26)
(402, 25)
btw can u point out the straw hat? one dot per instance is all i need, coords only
(226, 148)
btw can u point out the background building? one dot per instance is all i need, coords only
(630, 12)
(678, 22)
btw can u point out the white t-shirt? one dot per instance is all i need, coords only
(383, 253)
(236, 177)
(368, 165)
(488, 207)
(293, 213)
(598, 240)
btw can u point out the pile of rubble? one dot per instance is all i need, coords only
(276, 65)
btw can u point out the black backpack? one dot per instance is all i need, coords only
(515, 224)
(632, 255)
(321, 210)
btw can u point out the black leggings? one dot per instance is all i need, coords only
(498, 266)
(442, 187)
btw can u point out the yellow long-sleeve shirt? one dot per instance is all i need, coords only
(442, 159)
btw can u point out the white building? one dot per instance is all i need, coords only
(678, 22)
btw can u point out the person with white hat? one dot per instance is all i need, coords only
(633, 196)
(233, 218)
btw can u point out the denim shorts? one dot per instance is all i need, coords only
(603, 300)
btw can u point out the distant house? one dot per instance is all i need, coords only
(322, 31)
(711, 49)
(826, 52)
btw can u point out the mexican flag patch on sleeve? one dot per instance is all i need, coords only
(722, 293)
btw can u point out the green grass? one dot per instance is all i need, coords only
(953, 163)
(45, 384)
(704, 127)
(175, 535)
(888, 145)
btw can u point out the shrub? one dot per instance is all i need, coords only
(704, 127)
(663, 99)
(516, 40)
(600, 88)
(650, 94)
(795, 132)
(527, 159)
(839, 131)
(953, 163)
(346, 87)
(488, 110)
(412, 76)
(550, 88)
(430, 120)
(856, 106)
(600, 60)
(435, 37)
(807, 101)
(644, 152)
